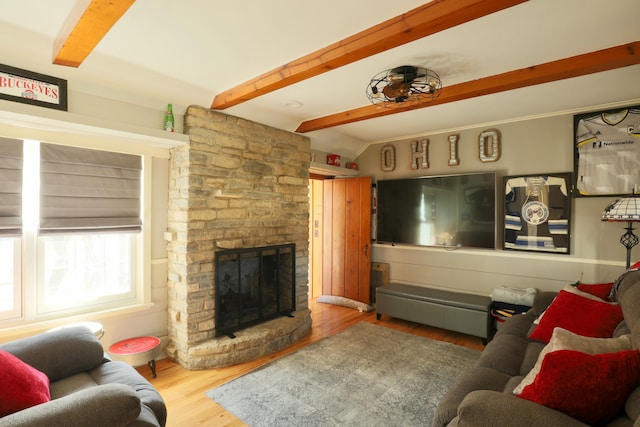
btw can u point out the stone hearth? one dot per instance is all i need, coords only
(250, 343)
(236, 184)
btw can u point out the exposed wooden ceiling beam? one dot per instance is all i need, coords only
(85, 27)
(420, 22)
(580, 65)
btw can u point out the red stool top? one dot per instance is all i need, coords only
(134, 345)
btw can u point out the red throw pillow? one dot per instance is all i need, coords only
(601, 290)
(22, 386)
(590, 388)
(580, 315)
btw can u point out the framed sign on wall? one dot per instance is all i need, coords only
(32, 88)
(607, 152)
(537, 212)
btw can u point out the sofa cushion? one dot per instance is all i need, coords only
(632, 407)
(585, 293)
(631, 308)
(601, 290)
(513, 383)
(475, 378)
(626, 281)
(23, 386)
(621, 329)
(518, 325)
(122, 373)
(584, 316)
(567, 340)
(70, 385)
(109, 405)
(484, 408)
(573, 290)
(531, 357)
(59, 353)
(542, 302)
(505, 354)
(590, 388)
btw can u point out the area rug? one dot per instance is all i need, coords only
(366, 375)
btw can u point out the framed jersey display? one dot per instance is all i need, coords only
(607, 152)
(537, 212)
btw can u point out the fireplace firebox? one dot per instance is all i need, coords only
(253, 285)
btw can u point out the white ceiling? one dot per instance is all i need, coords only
(188, 51)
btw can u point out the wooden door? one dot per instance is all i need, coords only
(346, 263)
(316, 238)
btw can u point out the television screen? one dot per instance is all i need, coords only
(449, 210)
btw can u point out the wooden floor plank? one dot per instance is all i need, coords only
(184, 391)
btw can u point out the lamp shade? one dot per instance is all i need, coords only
(626, 209)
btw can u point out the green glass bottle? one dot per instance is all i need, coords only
(168, 119)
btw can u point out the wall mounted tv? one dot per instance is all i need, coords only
(448, 210)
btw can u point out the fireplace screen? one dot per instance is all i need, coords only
(253, 285)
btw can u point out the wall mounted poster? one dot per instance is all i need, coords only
(607, 152)
(537, 212)
(32, 88)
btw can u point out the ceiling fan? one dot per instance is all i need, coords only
(405, 84)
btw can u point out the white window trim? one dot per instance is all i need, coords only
(85, 132)
(134, 296)
(61, 127)
(144, 249)
(25, 329)
(16, 313)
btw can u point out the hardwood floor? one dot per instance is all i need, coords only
(183, 390)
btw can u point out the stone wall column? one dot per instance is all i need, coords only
(236, 184)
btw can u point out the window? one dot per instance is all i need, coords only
(11, 154)
(77, 238)
(85, 270)
(9, 278)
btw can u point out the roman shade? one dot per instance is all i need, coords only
(10, 186)
(88, 190)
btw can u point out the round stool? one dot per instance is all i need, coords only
(95, 327)
(136, 351)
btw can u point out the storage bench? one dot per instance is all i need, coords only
(455, 311)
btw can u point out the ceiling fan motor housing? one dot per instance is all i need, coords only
(407, 73)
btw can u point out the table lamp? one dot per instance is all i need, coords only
(626, 209)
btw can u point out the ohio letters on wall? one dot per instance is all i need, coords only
(607, 152)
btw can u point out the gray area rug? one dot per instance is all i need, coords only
(366, 375)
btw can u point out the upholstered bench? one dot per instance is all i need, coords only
(455, 311)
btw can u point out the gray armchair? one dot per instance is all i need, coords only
(87, 388)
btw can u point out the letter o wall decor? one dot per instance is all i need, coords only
(489, 145)
(388, 158)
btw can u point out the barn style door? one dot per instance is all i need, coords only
(346, 253)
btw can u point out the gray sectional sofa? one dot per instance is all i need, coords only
(86, 387)
(483, 396)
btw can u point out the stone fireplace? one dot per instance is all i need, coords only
(237, 184)
(253, 285)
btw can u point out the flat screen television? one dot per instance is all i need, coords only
(447, 210)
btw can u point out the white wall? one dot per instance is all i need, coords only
(542, 145)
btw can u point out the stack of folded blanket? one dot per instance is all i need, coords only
(507, 302)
